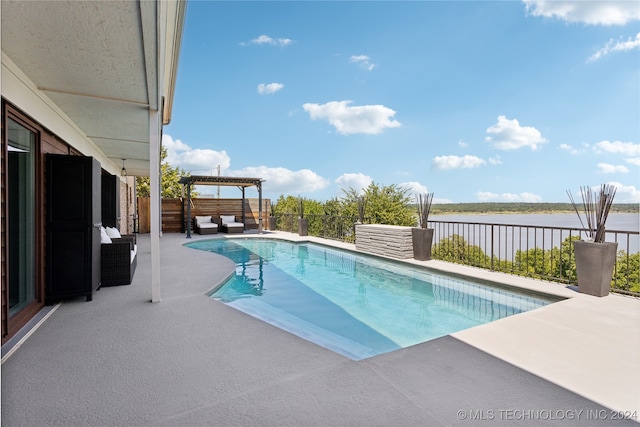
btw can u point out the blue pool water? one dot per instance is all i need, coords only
(356, 305)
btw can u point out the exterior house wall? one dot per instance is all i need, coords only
(71, 101)
(57, 134)
(127, 206)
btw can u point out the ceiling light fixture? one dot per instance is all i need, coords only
(123, 171)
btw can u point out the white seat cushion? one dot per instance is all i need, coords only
(203, 220)
(234, 224)
(227, 219)
(208, 225)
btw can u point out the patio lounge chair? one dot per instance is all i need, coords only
(118, 259)
(229, 224)
(205, 225)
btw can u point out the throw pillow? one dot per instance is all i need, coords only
(104, 237)
(113, 233)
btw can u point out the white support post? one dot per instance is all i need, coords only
(155, 214)
(2, 173)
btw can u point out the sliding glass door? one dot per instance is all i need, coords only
(21, 216)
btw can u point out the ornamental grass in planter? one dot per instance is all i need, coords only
(422, 237)
(595, 258)
(272, 218)
(303, 223)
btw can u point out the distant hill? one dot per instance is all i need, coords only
(518, 208)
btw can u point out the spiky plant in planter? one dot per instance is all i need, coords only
(596, 208)
(424, 208)
(422, 237)
(595, 258)
(272, 218)
(303, 223)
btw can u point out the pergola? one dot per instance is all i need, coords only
(227, 181)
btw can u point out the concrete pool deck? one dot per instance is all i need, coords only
(189, 360)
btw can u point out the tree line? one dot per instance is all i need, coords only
(551, 264)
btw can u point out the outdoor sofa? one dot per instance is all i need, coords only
(205, 225)
(229, 224)
(118, 257)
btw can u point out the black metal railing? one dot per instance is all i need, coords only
(533, 251)
(334, 227)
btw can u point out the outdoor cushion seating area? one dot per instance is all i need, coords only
(118, 257)
(205, 225)
(229, 224)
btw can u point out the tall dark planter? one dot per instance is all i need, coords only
(303, 226)
(272, 223)
(594, 266)
(422, 239)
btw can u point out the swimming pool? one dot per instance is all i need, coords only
(356, 305)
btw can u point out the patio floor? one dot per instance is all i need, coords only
(192, 361)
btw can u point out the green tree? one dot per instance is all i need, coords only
(286, 205)
(169, 177)
(627, 274)
(383, 205)
(455, 249)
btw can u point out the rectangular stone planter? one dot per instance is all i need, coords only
(594, 266)
(389, 240)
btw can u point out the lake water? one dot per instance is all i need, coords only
(615, 221)
(508, 239)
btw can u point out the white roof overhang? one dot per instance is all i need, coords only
(105, 64)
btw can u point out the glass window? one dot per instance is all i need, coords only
(21, 216)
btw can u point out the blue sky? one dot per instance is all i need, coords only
(502, 101)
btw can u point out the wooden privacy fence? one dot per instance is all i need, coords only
(174, 221)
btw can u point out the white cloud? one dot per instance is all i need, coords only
(626, 193)
(608, 168)
(173, 145)
(357, 181)
(619, 147)
(457, 162)
(485, 196)
(363, 61)
(267, 89)
(495, 160)
(198, 161)
(264, 39)
(634, 161)
(573, 150)
(367, 119)
(616, 46)
(414, 187)
(568, 148)
(588, 12)
(282, 180)
(509, 135)
(462, 144)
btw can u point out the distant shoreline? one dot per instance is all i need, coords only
(520, 208)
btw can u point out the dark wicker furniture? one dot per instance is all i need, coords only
(228, 224)
(116, 265)
(205, 225)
